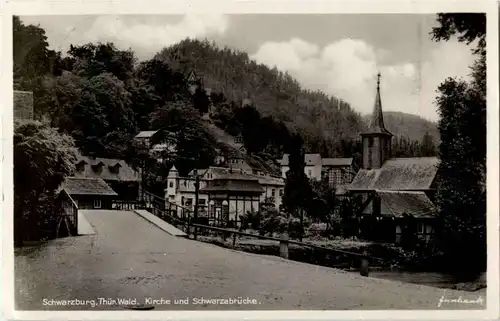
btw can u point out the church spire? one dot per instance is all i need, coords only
(376, 125)
(377, 139)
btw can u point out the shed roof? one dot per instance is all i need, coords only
(398, 174)
(87, 186)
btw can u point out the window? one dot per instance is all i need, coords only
(171, 184)
(370, 142)
(420, 228)
(97, 204)
(309, 173)
(339, 180)
(281, 192)
(273, 192)
(201, 202)
(189, 202)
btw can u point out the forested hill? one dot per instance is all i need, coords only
(408, 125)
(274, 93)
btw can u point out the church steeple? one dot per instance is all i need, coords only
(377, 121)
(377, 139)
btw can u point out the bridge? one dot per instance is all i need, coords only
(122, 254)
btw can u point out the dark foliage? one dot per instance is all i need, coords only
(461, 193)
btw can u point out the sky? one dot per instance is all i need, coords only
(339, 54)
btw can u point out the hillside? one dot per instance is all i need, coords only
(273, 92)
(409, 125)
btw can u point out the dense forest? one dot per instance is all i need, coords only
(102, 96)
(408, 125)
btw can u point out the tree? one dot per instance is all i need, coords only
(42, 158)
(297, 193)
(91, 60)
(461, 193)
(324, 203)
(427, 146)
(33, 62)
(180, 126)
(103, 107)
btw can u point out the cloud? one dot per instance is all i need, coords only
(347, 68)
(144, 37)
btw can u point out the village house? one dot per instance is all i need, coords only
(89, 193)
(241, 191)
(396, 193)
(116, 173)
(157, 143)
(338, 171)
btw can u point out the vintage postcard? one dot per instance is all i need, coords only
(264, 160)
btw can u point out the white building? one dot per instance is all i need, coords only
(181, 190)
(338, 171)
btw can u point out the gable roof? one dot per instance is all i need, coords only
(126, 172)
(403, 174)
(87, 186)
(396, 204)
(337, 161)
(309, 159)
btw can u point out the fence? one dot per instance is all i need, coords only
(169, 212)
(69, 215)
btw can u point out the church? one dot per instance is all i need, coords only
(397, 194)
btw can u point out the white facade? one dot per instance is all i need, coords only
(311, 171)
(181, 190)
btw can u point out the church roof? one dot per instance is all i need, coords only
(398, 174)
(376, 125)
(397, 204)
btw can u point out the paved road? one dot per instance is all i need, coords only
(129, 257)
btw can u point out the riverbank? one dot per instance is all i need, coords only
(385, 265)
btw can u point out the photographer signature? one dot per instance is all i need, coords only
(460, 300)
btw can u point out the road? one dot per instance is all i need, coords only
(129, 257)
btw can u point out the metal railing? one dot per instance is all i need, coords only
(169, 213)
(70, 214)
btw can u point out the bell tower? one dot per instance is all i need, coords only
(376, 140)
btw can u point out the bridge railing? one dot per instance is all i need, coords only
(70, 213)
(185, 222)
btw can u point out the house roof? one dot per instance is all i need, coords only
(126, 172)
(232, 181)
(398, 174)
(87, 186)
(396, 204)
(227, 173)
(233, 185)
(146, 134)
(337, 161)
(310, 159)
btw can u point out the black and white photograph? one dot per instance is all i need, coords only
(252, 161)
